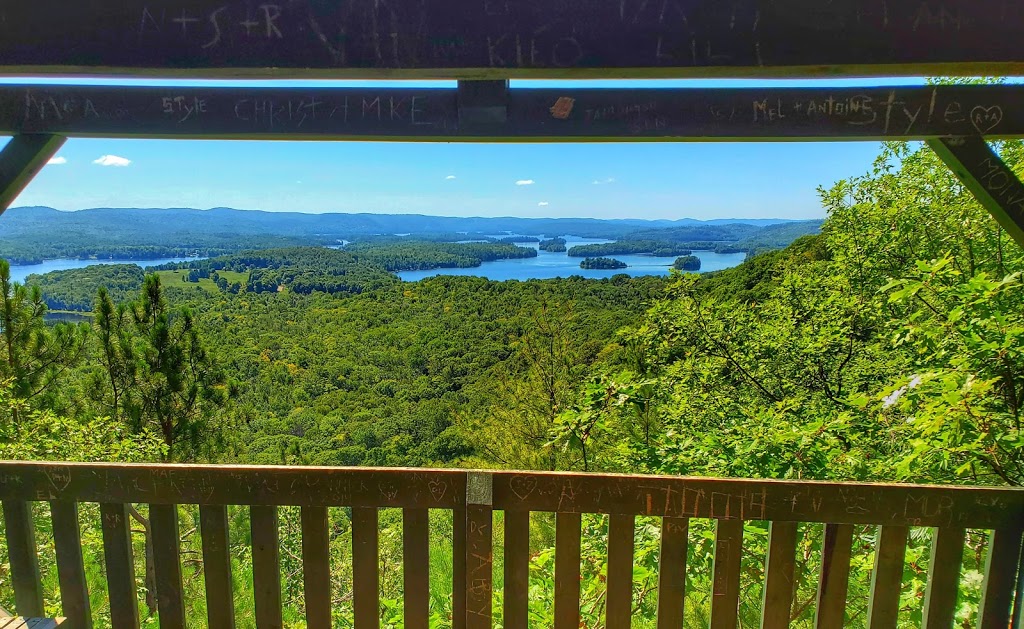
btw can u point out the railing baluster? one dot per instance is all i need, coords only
(887, 576)
(120, 563)
(777, 602)
(726, 588)
(365, 575)
(67, 541)
(167, 560)
(619, 601)
(459, 568)
(568, 528)
(416, 567)
(672, 572)
(479, 549)
(1001, 567)
(943, 578)
(517, 569)
(21, 551)
(266, 566)
(220, 605)
(835, 576)
(316, 567)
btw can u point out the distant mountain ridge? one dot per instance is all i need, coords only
(36, 233)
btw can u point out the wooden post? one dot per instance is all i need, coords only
(21, 550)
(21, 160)
(989, 179)
(479, 558)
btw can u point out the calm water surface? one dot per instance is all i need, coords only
(548, 265)
(20, 271)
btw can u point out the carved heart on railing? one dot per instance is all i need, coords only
(438, 489)
(985, 119)
(523, 486)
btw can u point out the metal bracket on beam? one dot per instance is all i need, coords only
(21, 160)
(988, 178)
(483, 104)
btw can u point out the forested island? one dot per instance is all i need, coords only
(872, 351)
(602, 263)
(625, 247)
(554, 245)
(687, 263)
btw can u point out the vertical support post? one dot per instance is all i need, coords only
(21, 550)
(479, 518)
(1001, 566)
(989, 179)
(21, 160)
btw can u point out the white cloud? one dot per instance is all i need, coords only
(601, 182)
(112, 160)
(525, 182)
(450, 177)
(57, 160)
(543, 204)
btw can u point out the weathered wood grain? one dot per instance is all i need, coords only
(517, 569)
(834, 578)
(365, 568)
(747, 114)
(725, 597)
(779, 585)
(266, 566)
(416, 568)
(120, 563)
(21, 159)
(568, 528)
(887, 577)
(21, 553)
(501, 38)
(672, 572)
(167, 559)
(940, 599)
(316, 567)
(619, 599)
(214, 528)
(67, 541)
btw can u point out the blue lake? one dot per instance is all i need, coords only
(20, 271)
(548, 265)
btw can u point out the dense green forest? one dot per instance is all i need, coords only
(887, 347)
(602, 263)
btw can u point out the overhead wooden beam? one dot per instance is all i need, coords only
(513, 38)
(990, 180)
(21, 159)
(490, 111)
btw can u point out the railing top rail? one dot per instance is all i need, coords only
(520, 38)
(779, 500)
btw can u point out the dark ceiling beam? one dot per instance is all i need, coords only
(21, 160)
(499, 39)
(990, 180)
(489, 111)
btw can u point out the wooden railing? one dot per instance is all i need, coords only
(473, 496)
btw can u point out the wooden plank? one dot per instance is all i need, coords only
(834, 579)
(777, 601)
(220, 606)
(1001, 566)
(266, 566)
(529, 38)
(766, 114)
(940, 599)
(990, 180)
(672, 572)
(787, 501)
(479, 566)
(416, 568)
(726, 587)
(887, 577)
(120, 564)
(316, 567)
(619, 600)
(790, 501)
(517, 570)
(170, 599)
(479, 551)
(459, 554)
(233, 484)
(67, 541)
(365, 568)
(21, 160)
(21, 552)
(568, 529)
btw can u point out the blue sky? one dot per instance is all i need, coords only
(663, 180)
